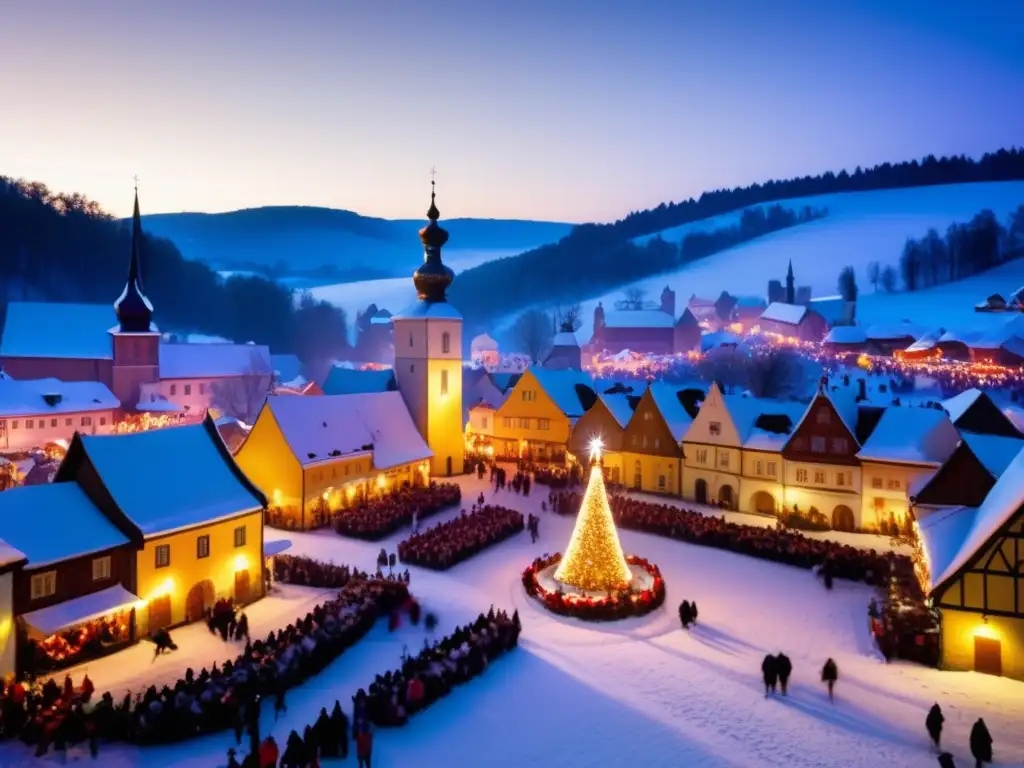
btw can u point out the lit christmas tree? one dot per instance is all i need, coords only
(594, 559)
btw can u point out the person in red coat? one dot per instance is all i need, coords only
(268, 753)
(364, 746)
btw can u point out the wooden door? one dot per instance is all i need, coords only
(200, 597)
(701, 491)
(988, 656)
(159, 613)
(242, 586)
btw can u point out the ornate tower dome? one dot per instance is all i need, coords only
(433, 277)
(134, 310)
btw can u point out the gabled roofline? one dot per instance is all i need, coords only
(939, 590)
(211, 429)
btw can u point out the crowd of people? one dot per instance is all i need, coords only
(615, 605)
(458, 539)
(307, 572)
(223, 697)
(520, 482)
(379, 517)
(423, 679)
(558, 477)
(782, 546)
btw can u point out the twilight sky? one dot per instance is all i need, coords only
(574, 110)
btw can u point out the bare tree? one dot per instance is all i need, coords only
(635, 298)
(241, 397)
(779, 373)
(889, 278)
(874, 274)
(533, 333)
(569, 318)
(726, 365)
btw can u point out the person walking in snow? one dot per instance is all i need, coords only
(946, 760)
(685, 614)
(693, 612)
(364, 746)
(829, 675)
(770, 673)
(934, 723)
(981, 743)
(785, 669)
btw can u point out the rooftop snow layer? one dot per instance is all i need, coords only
(560, 386)
(676, 417)
(565, 339)
(210, 361)
(780, 312)
(957, 405)
(943, 534)
(912, 436)
(68, 331)
(53, 522)
(434, 310)
(1001, 504)
(378, 422)
(846, 334)
(995, 452)
(483, 343)
(346, 381)
(619, 406)
(168, 479)
(638, 318)
(890, 331)
(9, 554)
(41, 397)
(746, 411)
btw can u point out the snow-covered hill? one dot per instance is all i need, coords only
(861, 227)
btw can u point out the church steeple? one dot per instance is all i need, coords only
(433, 277)
(790, 285)
(134, 310)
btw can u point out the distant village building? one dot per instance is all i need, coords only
(483, 351)
(40, 411)
(846, 339)
(76, 343)
(889, 338)
(788, 293)
(793, 321)
(565, 353)
(374, 336)
(652, 329)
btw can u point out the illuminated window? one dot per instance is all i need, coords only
(819, 477)
(101, 568)
(240, 536)
(524, 423)
(444, 382)
(44, 585)
(202, 547)
(541, 424)
(801, 475)
(446, 343)
(163, 555)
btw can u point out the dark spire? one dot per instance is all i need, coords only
(433, 277)
(134, 311)
(790, 285)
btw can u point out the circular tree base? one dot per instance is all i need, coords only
(646, 592)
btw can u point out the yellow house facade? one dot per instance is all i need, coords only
(312, 456)
(968, 566)
(605, 421)
(652, 457)
(712, 454)
(537, 417)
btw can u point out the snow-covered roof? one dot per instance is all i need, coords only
(925, 342)
(54, 522)
(619, 406)
(565, 339)
(1001, 504)
(676, 417)
(943, 533)
(846, 334)
(560, 386)
(41, 397)
(346, 381)
(275, 547)
(483, 343)
(995, 452)
(746, 412)
(890, 331)
(832, 308)
(780, 312)
(957, 405)
(286, 367)
(9, 554)
(716, 339)
(434, 310)
(165, 480)
(70, 613)
(209, 361)
(332, 426)
(51, 330)
(638, 318)
(911, 436)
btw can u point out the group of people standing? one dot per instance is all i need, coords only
(687, 613)
(776, 671)
(980, 739)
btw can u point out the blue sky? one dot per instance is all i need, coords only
(571, 110)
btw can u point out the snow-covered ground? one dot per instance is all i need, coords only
(637, 692)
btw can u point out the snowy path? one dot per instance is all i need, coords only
(638, 692)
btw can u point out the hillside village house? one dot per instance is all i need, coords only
(970, 570)
(822, 471)
(76, 343)
(652, 451)
(712, 454)
(315, 455)
(650, 330)
(536, 418)
(75, 596)
(764, 425)
(907, 445)
(39, 411)
(974, 411)
(793, 321)
(961, 481)
(483, 351)
(605, 421)
(193, 518)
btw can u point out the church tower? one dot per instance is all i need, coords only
(790, 285)
(135, 339)
(428, 354)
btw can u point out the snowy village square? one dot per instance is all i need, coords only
(561, 385)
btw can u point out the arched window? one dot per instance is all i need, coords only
(446, 343)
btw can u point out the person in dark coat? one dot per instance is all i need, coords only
(339, 726)
(232, 760)
(829, 675)
(770, 673)
(364, 744)
(693, 611)
(685, 614)
(785, 668)
(981, 743)
(324, 735)
(294, 752)
(946, 760)
(934, 723)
